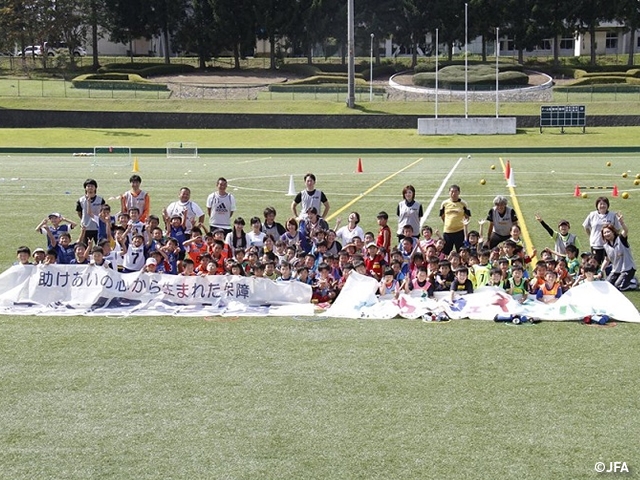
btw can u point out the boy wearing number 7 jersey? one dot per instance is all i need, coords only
(133, 255)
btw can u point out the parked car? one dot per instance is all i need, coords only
(54, 48)
(31, 50)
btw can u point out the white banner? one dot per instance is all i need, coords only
(89, 290)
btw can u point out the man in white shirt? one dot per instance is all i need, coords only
(195, 215)
(220, 207)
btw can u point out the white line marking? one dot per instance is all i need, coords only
(438, 192)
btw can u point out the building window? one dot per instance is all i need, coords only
(507, 45)
(612, 40)
(544, 45)
(638, 42)
(567, 43)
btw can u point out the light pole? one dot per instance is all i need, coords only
(497, 71)
(437, 55)
(351, 94)
(371, 70)
(466, 62)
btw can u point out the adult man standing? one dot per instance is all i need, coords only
(310, 197)
(88, 209)
(453, 212)
(194, 214)
(220, 207)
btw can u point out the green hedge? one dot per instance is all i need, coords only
(301, 69)
(116, 81)
(617, 73)
(431, 67)
(453, 77)
(147, 69)
(598, 80)
(633, 86)
(323, 88)
(326, 79)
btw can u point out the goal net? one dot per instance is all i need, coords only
(111, 157)
(182, 150)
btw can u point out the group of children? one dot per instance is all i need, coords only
(506, 266)
(307, 250)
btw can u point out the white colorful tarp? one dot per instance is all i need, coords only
(66, 290)
(358, 300)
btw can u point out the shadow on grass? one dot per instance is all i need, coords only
(110, 133)
(364, 109)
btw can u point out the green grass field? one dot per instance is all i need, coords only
(87, 138)
(309, 398)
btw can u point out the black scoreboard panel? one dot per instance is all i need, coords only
(563, 116)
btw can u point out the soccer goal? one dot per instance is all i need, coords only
(182, 150)
(111, 157)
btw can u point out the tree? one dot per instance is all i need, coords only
(551, 17)
(587, 15)
(628, 12)
(128, 20)
(164, 18)
(70, 21)
(273, 20)
(196, 31)
(449, 19)
(522, 25)
(486, 16)
(235, 23)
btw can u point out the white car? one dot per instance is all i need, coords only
(31, 50)
(54, 48)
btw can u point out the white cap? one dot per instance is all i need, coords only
(151, 261)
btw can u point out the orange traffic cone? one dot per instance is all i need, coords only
(359, 167)
(507, 170)
(614, 193)
(576, 192)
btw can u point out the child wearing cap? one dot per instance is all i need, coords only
(150, 265)
(562, 238)
(56, 227)
(373, 261)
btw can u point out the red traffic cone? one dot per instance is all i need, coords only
(576, 192)
(507, 170)
(614, 193)
(359, 167)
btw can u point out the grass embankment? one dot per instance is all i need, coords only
(284, 138)
(600, 104)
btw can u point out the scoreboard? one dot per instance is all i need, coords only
(563, 116)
